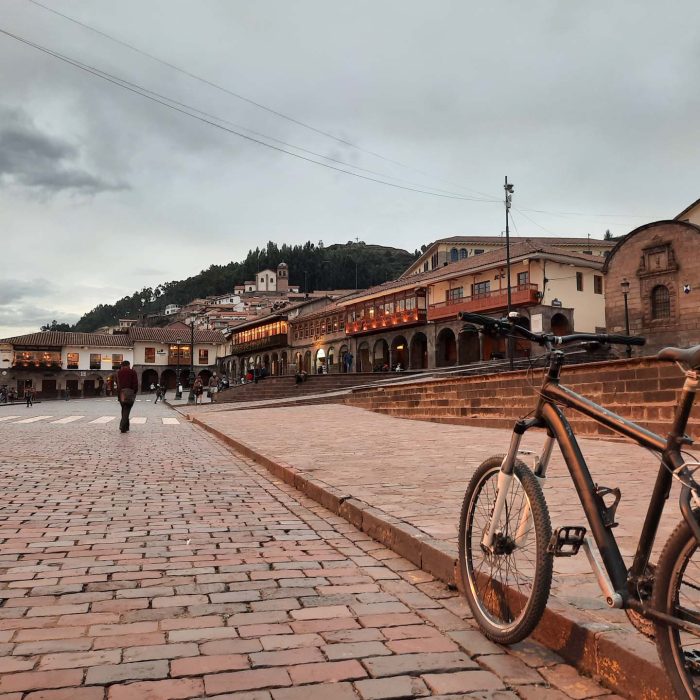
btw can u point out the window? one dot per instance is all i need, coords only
(425, 266)
(481, 288)
(149, 355)
(478, 251)
(95, 360)
(579, 281)
(73, 359)
(117, 360)
(588, 252)
(462, 253)
(660, 302)
(454, 255)
(203, 356)
(452, 295)
(523, 278)
(597, 284)
(434, 261)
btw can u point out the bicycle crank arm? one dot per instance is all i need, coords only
(658, 616)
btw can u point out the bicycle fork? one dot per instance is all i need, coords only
(505, 479)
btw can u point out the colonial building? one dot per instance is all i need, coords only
(85, 363)
(446, 251)
(653, 282)
(413, 321)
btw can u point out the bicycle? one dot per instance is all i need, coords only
(506, 541)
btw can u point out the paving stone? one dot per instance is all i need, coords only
(246, 680)
(104, 675)
(179, 689)
(566, 679)
(462, 682)
(323, 691)
(512, 670)
(416, 664)
(331, 671)
(391, 688)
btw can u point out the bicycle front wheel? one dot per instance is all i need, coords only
(677, 593)
(506, 586)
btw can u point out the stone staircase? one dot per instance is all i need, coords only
(318, 388)
(643, 390)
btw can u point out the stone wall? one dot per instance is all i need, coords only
(664, 253)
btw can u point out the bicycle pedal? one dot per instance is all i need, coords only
(566, 541)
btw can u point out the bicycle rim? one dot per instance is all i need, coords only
(685, 592)
(502, 584)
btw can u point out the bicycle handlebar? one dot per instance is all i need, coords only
(504, 326)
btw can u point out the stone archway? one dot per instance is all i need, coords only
(92, 385)
(469, 348)
(330, 360)
(149, 376)
(363, 361)
(168, 379)
(399, 352)
(205, 376)
(298, 361)
(343, 367)
(446, 348)
(560, 324)
(320, 361)
(380, 355)
(419, 351)
(283, 363)
(307, 361)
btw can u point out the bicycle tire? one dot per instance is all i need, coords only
(682, 664)
(483, 591)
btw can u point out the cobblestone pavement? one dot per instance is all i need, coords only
(160, 565)
(418, 472)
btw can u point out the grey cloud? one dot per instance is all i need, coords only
(12, 290)
(36, 160)
(23, 316)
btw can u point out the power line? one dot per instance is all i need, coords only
(238, 96)
(520, 211)
(193, 112)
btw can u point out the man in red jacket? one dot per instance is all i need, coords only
(127, 385)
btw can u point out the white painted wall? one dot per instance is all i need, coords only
(84, 353)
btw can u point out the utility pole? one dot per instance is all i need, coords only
(508, 187)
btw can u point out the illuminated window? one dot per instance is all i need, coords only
(149, 355)
(73, 360)
(95, 360)
(117, 360)
(203, 356)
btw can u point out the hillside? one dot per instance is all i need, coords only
(326, 267)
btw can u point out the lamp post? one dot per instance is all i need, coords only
(625, 287)
(508, 187)
(178, 390)
(190, 397)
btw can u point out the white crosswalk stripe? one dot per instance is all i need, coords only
(139, 420)
(170, 421)
(67, 419)
(3, 418)
(34, 419)
(103, 419)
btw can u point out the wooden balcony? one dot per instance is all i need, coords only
(278, 340)
(522, 295)
(398, 319)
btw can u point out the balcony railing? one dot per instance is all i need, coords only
(271, 341)
(388, 321)
(521, 295)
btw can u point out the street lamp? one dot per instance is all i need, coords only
(190, 398)
(178, 391)
(508, 187)
(625, 287)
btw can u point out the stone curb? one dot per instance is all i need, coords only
(614, 655)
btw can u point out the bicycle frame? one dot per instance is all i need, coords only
(548, 415)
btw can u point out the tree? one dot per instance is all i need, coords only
(55, 326)
(608, 236)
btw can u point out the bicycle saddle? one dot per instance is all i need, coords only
(687, 356)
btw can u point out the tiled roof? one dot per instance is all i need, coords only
(50, 339)
(525, 248)
(171, 335)
(57, 339)
(544, 240)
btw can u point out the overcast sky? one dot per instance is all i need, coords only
(589, 108)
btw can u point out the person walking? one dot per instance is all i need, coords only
(127, 386)
(213, 387)
(198, 388)
(29, 395)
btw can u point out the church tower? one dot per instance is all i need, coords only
(283, 278)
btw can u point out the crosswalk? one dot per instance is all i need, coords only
(87, 420)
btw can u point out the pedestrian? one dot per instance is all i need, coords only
(29, 395)
(66, 393)
(127, 386)
(160, 393)
(213, 387)
(348, 361)
(198, 388)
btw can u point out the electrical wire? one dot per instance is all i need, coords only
(243, 98)
(193, 112)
